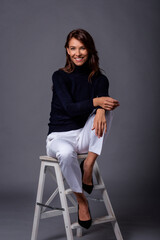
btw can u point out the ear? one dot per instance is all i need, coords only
(68, 51)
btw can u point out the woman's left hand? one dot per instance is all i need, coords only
(100, 123)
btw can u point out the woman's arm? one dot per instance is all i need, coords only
(103, 100)
(106, 103)
(100, 123)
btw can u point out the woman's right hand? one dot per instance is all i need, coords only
(107, 103)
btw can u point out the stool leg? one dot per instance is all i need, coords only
(107, 203)
(111, 213)
(117, 230)
(38, 199)
(64, 204)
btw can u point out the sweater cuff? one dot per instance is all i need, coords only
(91, 106)
(99, 108)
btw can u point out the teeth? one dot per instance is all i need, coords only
(78, 58)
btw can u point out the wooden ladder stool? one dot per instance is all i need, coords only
(47, 165)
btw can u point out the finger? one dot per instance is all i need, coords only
(109, 99)
(111, 107)
(111, 103)
(113, 100)
(96, 129)
(115, 107)
(105, 127)
(93, 127)
(108, 108)
(100, 130)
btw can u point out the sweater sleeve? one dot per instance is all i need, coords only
(102, 88)
(72, 108)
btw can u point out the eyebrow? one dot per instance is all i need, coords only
(80, 46)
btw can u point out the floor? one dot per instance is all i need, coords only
(17, 215)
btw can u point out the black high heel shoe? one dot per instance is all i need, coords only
(86, 187)
(85, 224)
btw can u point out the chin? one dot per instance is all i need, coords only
(79, 63)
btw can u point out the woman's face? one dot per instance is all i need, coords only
(77, 51)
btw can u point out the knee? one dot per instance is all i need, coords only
(66, 156)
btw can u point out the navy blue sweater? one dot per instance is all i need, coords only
(72, 100)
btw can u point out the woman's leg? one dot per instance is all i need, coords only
(87, 141)
(65, 153)
(88, 167)
(67, 157)
(83, 207)
(84, 214)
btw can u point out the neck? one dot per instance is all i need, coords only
(83, 68)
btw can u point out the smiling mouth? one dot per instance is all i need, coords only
(79, 59)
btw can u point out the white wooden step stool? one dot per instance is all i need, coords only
(47, 164)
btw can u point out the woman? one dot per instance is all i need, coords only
(80, 116)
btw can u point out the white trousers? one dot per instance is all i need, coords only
(65, 146)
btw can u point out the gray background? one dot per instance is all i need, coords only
(127, 38)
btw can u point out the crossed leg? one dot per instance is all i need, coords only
(89, 142)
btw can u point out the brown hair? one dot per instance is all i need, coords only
(93, 59)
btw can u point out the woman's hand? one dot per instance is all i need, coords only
(100, 123)
(107, 103)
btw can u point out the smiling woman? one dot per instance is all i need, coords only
(81, 114)
(80, 47)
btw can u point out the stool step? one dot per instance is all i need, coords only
(54, 213)
(99, 186)
(96, 187)
(95, 221)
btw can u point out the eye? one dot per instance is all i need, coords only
(72, 48)
(83, 48)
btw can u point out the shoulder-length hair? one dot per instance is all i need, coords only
(93, 59)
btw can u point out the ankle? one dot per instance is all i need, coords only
(81, 199)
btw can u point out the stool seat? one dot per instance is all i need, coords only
(48, 164)
(47, 158)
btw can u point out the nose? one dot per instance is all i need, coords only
(78, 52)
